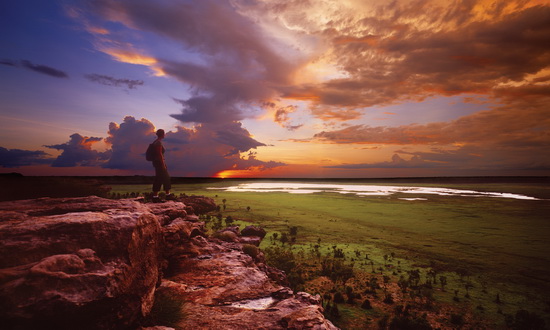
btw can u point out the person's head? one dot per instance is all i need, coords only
(160, 134)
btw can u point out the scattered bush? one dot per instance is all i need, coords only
(457, 319)
(167, 309)
(338, 298)
(409, 323)
(366, 304)
(251, 250)
(280, 258)
(524, 320)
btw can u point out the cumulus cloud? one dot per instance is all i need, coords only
(200, 151)
(208, 149)
(78, 152)
(43, 69)
(129, 141)
(17, 157)
(111, 81)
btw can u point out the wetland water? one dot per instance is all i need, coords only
(365, 190)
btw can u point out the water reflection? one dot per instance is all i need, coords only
(363, 190)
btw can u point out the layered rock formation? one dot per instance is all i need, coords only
(96, 263)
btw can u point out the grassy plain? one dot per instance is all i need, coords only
(500, 245)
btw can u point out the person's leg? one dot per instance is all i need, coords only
(167, 186)
(158, 181)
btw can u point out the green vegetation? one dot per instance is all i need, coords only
(167, 309)
(385, 262)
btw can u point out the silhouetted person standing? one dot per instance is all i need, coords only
(162, 178)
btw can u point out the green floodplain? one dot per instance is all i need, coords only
(492, 253)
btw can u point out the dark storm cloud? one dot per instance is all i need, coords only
(18, 157)
(78, 152)
(237, 70)
(128, 141)
(8, 62)
(111, 81)
(236, 136)
(43, 69)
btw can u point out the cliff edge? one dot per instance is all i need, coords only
(94, 263)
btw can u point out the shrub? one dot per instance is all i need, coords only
(525, 320)
(167, 309)
(408, 323)
(366, 304)
(457, 319)
(338, 298)
(280, 258)
(284, 238)
(251, 250)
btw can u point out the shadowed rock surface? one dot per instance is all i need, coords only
(94, 263)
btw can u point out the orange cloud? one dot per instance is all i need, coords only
(301, 96)
(369, 40)
(133, 57)
(97, 30)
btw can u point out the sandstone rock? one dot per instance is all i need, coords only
(199, 204)
(227, 236)
(177, 234)
(224, 289)
(253, 240)
(253, 231)
(234, 229)
(93, 263)
(166, 212)
(77, 262)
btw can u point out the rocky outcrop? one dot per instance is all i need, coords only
(96, 263)
(224, 288)
(84, 262)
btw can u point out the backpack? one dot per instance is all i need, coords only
(150, 153)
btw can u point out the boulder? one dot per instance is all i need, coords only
(253, 240)
(253, 231)
(177, 233)
(77, 262)
(198, 204)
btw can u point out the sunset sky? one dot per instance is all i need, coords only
(276, 88)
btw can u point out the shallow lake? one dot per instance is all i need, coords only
(365, 190)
